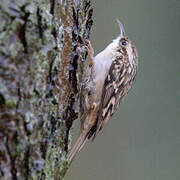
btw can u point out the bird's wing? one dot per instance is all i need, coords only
(112, 93)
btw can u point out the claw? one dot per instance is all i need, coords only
(90, 52)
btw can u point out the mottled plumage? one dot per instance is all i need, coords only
(106, 83)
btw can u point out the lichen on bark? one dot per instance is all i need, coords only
(42, 60)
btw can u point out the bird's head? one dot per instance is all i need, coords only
(125, 45)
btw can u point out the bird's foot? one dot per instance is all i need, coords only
(90, 52)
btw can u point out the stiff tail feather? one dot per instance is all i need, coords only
(84, 135)
(77, 147)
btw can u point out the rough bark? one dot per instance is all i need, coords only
(42, 61)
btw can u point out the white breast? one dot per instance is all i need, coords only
(102, 63)
(104, 59)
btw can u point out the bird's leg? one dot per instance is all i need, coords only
(90, 52)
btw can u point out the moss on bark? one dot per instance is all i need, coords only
(42, 53)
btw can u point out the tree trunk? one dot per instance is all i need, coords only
(42, 53)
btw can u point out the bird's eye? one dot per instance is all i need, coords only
(124, 43)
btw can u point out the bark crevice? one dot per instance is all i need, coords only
(42, 61)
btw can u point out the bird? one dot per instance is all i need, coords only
(107, 80)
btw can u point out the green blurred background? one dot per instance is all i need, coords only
(142, 140)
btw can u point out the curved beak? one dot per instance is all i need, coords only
(121, 27)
